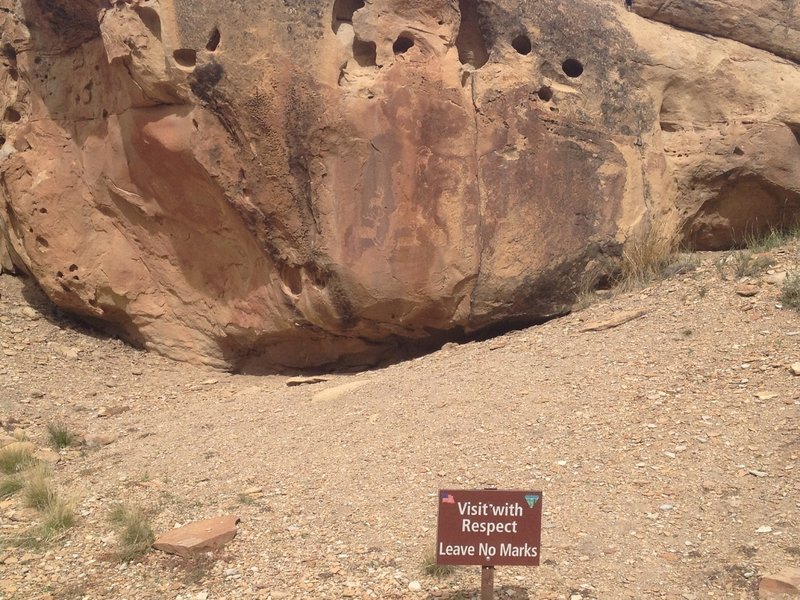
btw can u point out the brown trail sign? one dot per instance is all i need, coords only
(489, 527)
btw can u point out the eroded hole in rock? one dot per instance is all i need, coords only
(73, 268)
(213, 40)
(2, 140)
(522, 44)
(43, 211)
(185, 58)
(151, 20)
(59, 274)
(12, 115)
(343, 11)
(402, 44)
(738, 151)
(572, 67)
(105, 113)
(365, 53)
(293, 279)
(545, 93)
(470, 42)
(9, 52)
(43, 242)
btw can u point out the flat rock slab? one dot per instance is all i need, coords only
(336, 392)
(785, 584)
(200, 536)
(295, 381)
(615, 321)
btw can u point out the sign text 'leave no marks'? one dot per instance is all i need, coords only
(489, 527)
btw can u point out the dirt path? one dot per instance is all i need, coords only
(663, 446)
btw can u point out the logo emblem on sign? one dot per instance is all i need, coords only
(531, 499)
(448, 498)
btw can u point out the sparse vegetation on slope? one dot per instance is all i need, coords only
(790, 294)
(60, 435)
(134, 532)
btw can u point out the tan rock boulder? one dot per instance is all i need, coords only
(326, 181)
(200, 536)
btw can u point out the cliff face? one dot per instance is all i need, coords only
(298, 184)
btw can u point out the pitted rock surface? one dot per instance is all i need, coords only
(266, 185)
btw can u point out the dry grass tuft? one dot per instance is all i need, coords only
(134, 531)
(15, 460)
(40, 493)
(741, 263)
(10, 486)
(774, 238)
(646, 257)
(430, 567)
(60, 435)
(790, 293)
(57, 514)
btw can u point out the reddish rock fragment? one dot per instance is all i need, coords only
(200, 536)
(785, 584)
(747, 290)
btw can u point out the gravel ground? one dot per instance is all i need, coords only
(666, 449)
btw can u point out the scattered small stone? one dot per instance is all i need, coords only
(104, 411)
(415, 586)
(28, 312)
(69, 352)
(99, 439)
(766, 395)
(756, 473)
(795, 369)
(747, 290)
(764, 529)
(775, 278)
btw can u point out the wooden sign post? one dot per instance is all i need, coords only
(489, 528)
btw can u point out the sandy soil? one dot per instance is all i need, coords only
(666, 448)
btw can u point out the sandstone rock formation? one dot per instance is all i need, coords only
(317, 182)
